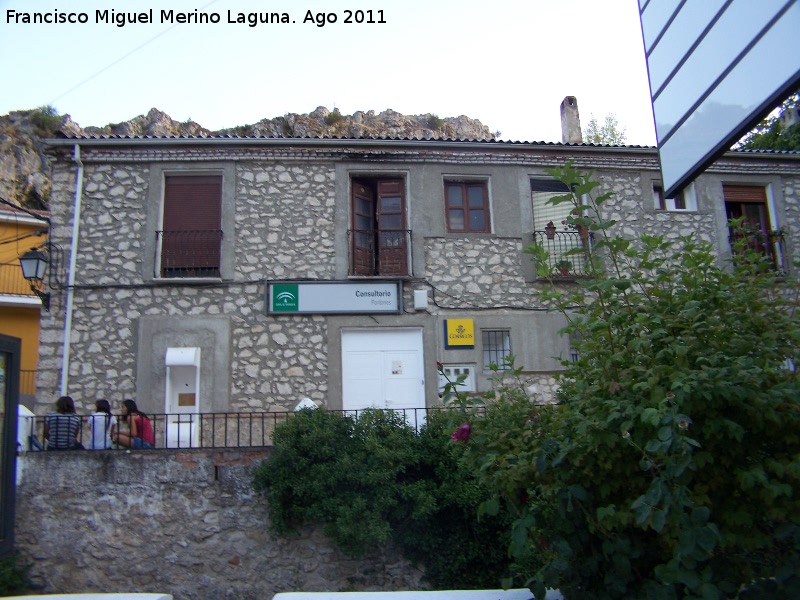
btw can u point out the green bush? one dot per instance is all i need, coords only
(13, 579)
(372, 480)
(435, 122)
(458, 549)
(334, 117)
(671, 468)
(46, 120)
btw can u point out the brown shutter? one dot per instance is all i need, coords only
(192, 226)
(744, 193)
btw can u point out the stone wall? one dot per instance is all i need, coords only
(187, 523)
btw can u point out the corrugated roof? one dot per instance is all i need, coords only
(229, 137)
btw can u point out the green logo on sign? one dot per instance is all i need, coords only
(285, 297)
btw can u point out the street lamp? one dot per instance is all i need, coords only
(34, 263)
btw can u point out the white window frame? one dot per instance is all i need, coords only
(689, 199)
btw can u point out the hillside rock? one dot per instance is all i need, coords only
(25, 170)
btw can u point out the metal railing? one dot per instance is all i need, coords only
(568, 251)
(380, 252)
(203, 430)
(190, 253)
(12, 282)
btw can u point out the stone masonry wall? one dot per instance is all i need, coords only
(284, 228)
(187, 523)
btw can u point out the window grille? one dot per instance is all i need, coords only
(496, 346)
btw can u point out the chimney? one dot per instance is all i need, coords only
(570, 121)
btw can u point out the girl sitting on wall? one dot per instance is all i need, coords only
(102, 425)
(62, 427)
(141, 431)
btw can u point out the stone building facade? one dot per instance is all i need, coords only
(288, 215)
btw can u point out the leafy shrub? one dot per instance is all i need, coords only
(372, 480)
(671, 469)
(435, 122)
(13, 579)
(458, 549)
(46, 120)
(334, 117)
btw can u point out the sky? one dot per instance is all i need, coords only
(507, 63)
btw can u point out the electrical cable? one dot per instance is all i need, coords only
(120, 59)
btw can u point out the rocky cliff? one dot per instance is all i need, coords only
(25, 173)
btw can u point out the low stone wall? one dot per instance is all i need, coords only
(187, 523)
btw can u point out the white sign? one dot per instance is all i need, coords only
(334, 297)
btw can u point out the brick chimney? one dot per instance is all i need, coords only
(570, 121)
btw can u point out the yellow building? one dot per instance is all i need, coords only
(20, 308)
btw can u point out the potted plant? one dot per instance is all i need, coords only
(563, 266)
(550, 230)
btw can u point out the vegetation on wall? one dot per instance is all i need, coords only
(373, 480)
(46, 120)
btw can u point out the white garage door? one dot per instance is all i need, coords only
(383, 368)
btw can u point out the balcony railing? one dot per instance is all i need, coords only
(12, 282)
(568, 251)
(205, 430)
(191, 253)
(380, 252)
(771, 244)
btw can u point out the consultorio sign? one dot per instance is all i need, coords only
(333, 297)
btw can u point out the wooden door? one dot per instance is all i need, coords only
(392, 236)
(363, 234)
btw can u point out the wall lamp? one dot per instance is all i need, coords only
(34, 263)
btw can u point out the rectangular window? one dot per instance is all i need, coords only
(684, 200)
(467, 207)
(191, 235)
(379, 240)
(496, 346)
(544, 212)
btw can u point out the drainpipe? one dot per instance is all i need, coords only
(73, 257)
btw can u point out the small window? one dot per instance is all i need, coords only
(496, 346)
(467, 207)
(684, 200)
(453, 372)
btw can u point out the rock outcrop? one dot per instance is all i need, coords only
(25, 172)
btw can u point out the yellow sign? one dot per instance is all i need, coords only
(459, 333)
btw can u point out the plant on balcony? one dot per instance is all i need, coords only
(563, 267)
(550, 230)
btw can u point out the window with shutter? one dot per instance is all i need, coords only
(191, 236)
